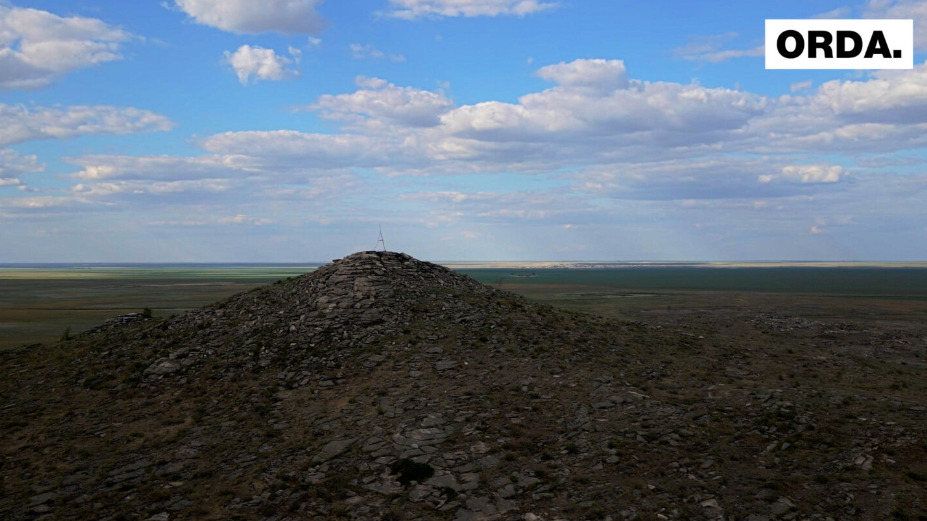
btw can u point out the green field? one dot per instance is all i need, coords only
(38, 304)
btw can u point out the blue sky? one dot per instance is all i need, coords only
(289, 130)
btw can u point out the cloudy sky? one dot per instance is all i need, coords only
(289, 130)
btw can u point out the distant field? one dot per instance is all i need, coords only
(38, 303)
(843, 280)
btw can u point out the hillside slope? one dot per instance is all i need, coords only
(383, 387)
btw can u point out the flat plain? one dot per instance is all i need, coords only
(40, 304)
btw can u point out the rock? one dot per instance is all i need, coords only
(332, 449)
(252, 408)
(781, 506)
(41, 499)
(481, 505)
(444, 480)
(164, 366)
(445, 365)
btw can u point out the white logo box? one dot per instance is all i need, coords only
(890, 44)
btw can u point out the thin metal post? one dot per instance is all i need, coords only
(380, 240)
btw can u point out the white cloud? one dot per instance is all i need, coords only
(252, 17)
(150, 188)
(884, 112)
(99, 168)
(13, 164)
(596, 73)
(800, 86)
(365, 52)
(607, 146)
(283, 151)
(35, 203)
(904, 9)
(710, 177)
(380, 105)
(710, 49)
(37, 46)
(262, 64)
(839, 12)
(414, 9)
(660, 113)
(19, 123)
(819, 173)
(729, 54)
(210, 220)
(895, 96)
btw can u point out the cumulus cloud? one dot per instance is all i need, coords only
(37, 46)
(655, 112)
(250, 17)
(414, 9)
(595, 134)
(379, 105)
(883, 112)
(263, 64)
(19, 123)
(887, 96)
(596, 73)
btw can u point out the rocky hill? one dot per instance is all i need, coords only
(383, 387)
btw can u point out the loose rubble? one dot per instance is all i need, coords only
(383, 387)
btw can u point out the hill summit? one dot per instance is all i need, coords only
(381, 387)
(376, 387)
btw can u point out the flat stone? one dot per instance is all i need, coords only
(419, 493)
(445, 365)
(43, 498)
(163, 366)
(444, 480)
(332, 449)
(482, 505)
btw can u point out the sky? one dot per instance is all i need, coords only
(294, 130)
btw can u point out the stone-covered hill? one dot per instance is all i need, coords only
(383, 387)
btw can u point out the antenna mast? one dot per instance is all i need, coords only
(380, 240)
